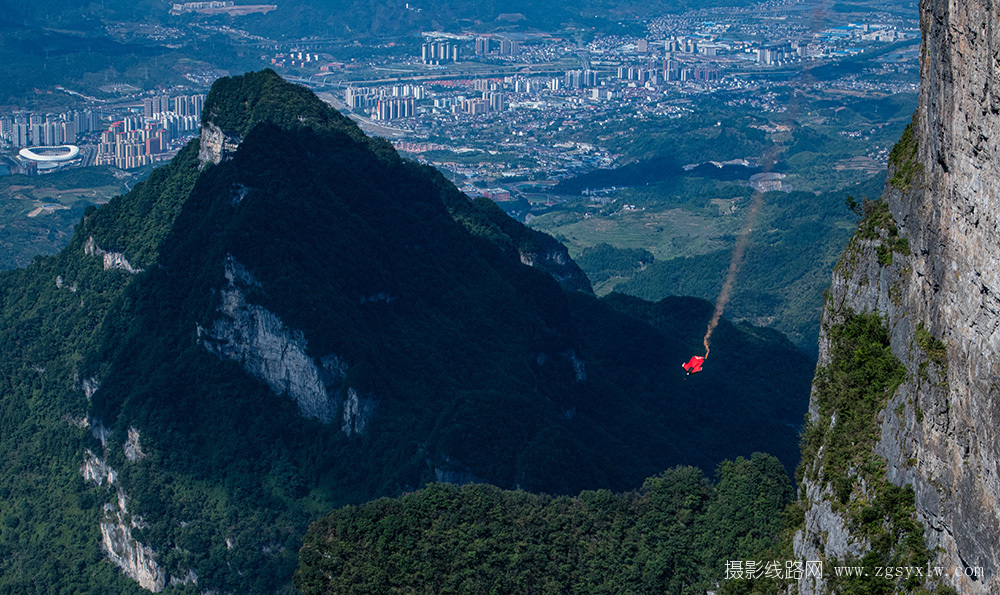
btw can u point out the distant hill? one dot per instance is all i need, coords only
(355, 18)
(290, 317)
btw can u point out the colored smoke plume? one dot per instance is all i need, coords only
(734, 267)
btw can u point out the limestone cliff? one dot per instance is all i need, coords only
(112, 260)
(136, 560)
(929, 267)
(216, 145)
(266, 348)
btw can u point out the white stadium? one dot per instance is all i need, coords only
(54, 154)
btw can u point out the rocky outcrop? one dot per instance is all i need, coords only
(100, 432)
(265, 347)
(357, 412)
(449, 470)
(551, 256)
(939, 295)
(823, 521)
(579, 366)
(215, 145)
(569, 356)
(89, 387)
(191, 578)
(112, 260)
(132, 447)
(136, 560)
(96, 470)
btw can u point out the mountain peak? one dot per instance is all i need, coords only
(236, 104)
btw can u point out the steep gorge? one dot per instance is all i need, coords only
(926, 261)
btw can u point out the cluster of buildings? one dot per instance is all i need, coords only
(671, 72)
(192, 6)
(496, 194)
(182, 105)
(366, 98)
(439, 52)
(674, 71)
(399, 101)
(493, 95)
(684, 45)
(392, 108)
(580, 79)
(782, 53)
(491, 101)
(500, 46)
(217, 7)
(634, 75)
(130, 143)
(297, 59)
(25, 129)
(137, 140)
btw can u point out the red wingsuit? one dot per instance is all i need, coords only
(694, 365)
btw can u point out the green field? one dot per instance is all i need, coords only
(37, 214)
(793, 247)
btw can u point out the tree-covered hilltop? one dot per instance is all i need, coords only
(674, 535)
(234, 348)
(236, 105)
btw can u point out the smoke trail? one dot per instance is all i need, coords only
(734, 267)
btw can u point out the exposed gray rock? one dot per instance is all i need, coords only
(111, 260)
(215, 145)
(265, 347)
(96, 470)
(89, 386)
(136, 560)
(579, 366)
(190, 578)
(357, 413)
(553, 257)
(239, 192)
(825, 535)
(100, 432)
(132, 448)
(941, 430)
(451, 471)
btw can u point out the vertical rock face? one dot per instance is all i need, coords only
(266, 348)
(939, 295)
(112, 260)
(552, 257)
(357, 413)
(216, 145)
(96, 470)
(132, 446)
(136, 560)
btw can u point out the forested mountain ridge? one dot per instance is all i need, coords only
(290, 317)
(674, 535)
